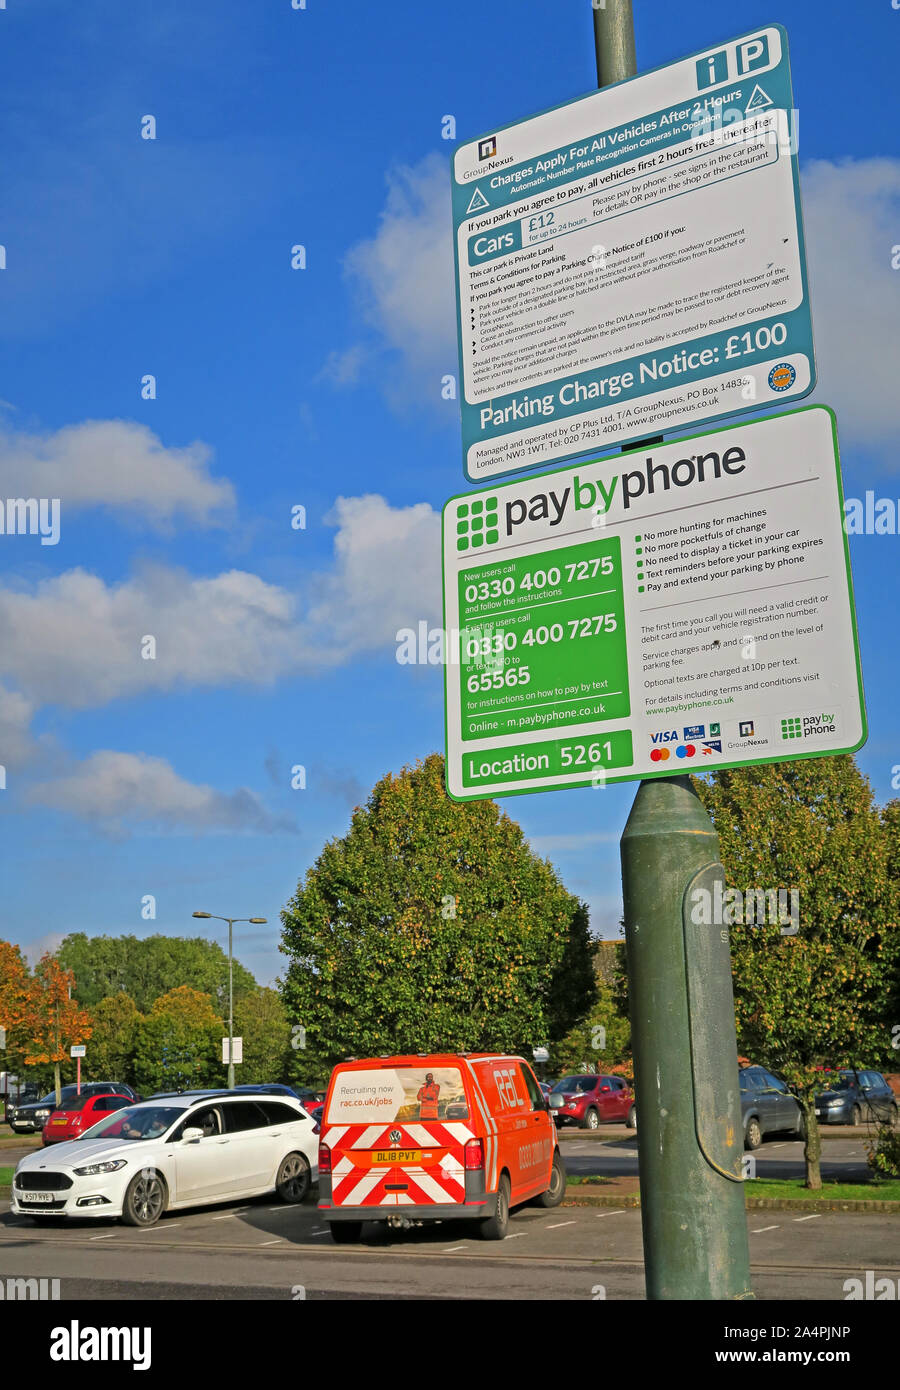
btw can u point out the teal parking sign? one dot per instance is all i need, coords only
(632, 262)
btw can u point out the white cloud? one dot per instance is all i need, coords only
(404, 279)
(387, 576)
(75, 642)
(117, 789)
(16, 714)
(344, 368)
(117, 464)
(48, 944)
(852, 219)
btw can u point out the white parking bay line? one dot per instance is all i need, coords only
(449, 1249)
(815, 1216)
(515, 1235)
(609, 1213)
(272, 1242)
(109, 1237)
(759, 1230)
(230, 1217)
(556, 1226)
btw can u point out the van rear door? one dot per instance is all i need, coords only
(397, 1135)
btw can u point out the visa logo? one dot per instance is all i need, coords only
(695, 731)
(670, 736)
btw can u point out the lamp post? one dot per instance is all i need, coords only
(256, 921)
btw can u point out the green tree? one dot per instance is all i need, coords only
(817, 998)
(113, 1041)
(602, 1039)
(179, 1043)
(260, 1019)
(431, 924)
(147, 967)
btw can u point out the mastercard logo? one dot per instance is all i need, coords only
(658, 755)
(685, 750)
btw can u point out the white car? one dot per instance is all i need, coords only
(175, 1151)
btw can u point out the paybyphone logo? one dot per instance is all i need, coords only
(477, 523)
(732, 62)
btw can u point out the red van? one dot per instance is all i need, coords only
(435, 1137)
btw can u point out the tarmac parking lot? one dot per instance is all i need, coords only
(265, 1249)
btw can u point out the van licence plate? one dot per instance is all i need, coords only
(397, 1156)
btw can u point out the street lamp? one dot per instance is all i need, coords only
(257, 922)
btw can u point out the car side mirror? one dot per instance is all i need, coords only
(191, 1135)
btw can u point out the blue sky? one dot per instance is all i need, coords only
(320, 388)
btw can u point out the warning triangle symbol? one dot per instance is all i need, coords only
(758, 99)
(477, 201)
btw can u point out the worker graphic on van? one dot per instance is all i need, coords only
(427, 1096)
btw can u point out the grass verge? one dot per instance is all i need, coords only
(837, 1191)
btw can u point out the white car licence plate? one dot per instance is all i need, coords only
(35, 1196)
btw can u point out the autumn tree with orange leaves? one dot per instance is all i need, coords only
(14, 982)
(53, 1020)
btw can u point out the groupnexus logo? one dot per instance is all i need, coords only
(476, 523)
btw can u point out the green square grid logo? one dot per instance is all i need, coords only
(791, 728)
(477, 523)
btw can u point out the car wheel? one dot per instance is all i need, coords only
(631, 1122)
(752, 1134)
(591, 1120)
(495, 1226)
(293, 1181)
(346, 1232)
(557, 1189)
(146, 1199)
(856, 1116)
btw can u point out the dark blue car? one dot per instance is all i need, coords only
(854, 1096)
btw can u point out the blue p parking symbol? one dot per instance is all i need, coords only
(752, 54)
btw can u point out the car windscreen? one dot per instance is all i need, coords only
(397, 1094)
(76, 1102)
(64, 1095)
(137, 1122)
(576, 1083)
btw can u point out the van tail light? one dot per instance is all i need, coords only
(324, 1159)
(474, 1152)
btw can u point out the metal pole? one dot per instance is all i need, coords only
(614, 42)
(230, 1013)
(679, 980)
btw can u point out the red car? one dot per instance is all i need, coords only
(591, 1100)
(78, 1114)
